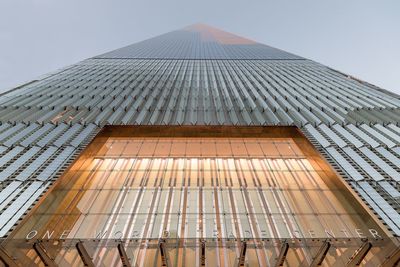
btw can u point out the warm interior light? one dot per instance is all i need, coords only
(192, 188)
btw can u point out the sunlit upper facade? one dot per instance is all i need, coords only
(199, 147)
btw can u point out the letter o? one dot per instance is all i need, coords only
(118, 233)
(31, 234)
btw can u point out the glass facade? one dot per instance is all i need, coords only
(202, 196)
(234, 184)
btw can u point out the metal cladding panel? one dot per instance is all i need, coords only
(199, 42)
(197, 92)
(27, 171)
(198, 76)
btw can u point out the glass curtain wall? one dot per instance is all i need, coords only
(190, 190)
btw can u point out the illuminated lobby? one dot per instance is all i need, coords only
(199, 196)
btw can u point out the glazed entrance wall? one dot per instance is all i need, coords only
(186, 189)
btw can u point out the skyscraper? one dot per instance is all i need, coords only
(199, 148)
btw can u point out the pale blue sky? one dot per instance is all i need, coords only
(359, 37)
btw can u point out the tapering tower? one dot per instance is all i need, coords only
(199, 147)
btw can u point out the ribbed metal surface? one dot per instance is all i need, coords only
(369, 165)
(32, 162)
(198, 76)
(238, 92)
(199, 42)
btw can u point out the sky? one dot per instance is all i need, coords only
(358, 37)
